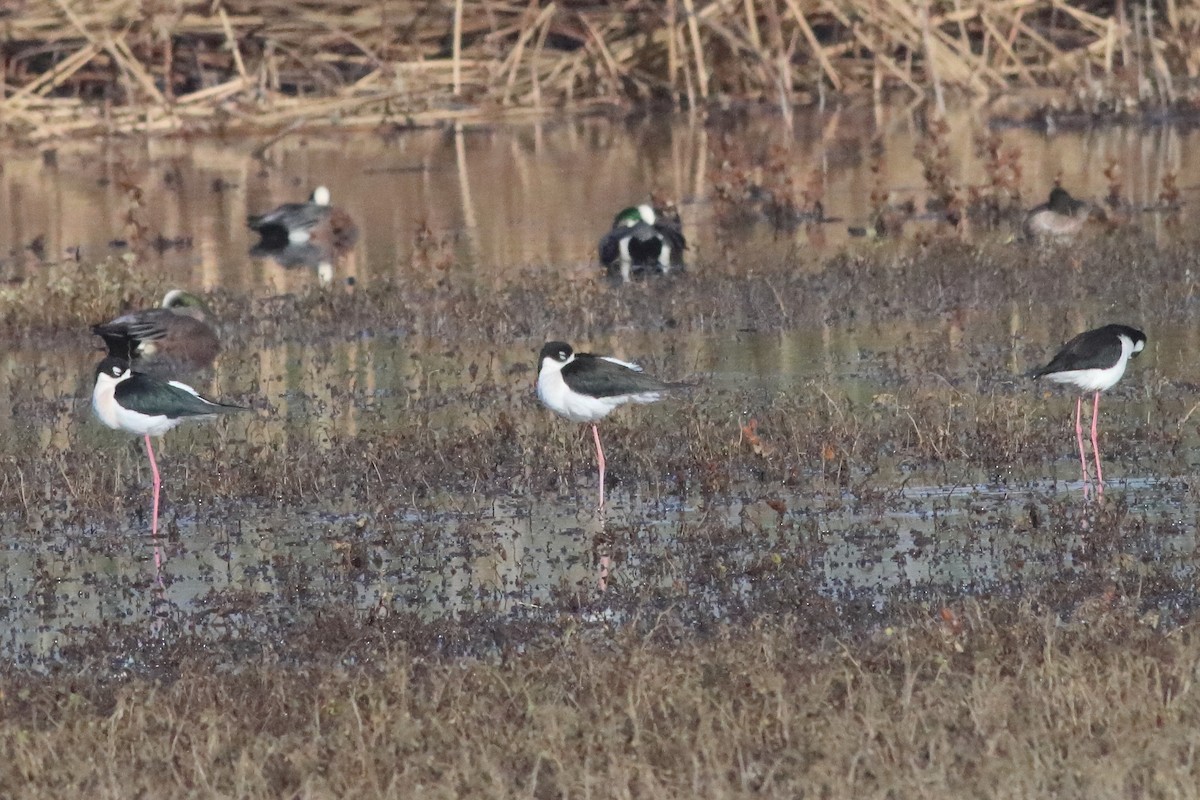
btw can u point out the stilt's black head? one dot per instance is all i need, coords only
(558, 351)
(113, 367)
(1136, 336)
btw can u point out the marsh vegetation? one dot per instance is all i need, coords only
(855, 560)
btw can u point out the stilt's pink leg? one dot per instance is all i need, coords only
(1079, 439)
(599, 458)
(1096, 445)
(157, 486)
(154, 515)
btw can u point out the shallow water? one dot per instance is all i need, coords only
(251, 569)
(850, 539)
(505, 197)
(269, 568)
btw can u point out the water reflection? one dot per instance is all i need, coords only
(517, 555)
(511, 196)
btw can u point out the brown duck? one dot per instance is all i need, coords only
(176, 339)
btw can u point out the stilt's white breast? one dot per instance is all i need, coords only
(553, 391)
(115, 416)
(142, 424)
(560, 398)
(104, 405)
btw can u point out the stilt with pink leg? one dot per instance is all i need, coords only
(1096, 445)
(1079, 439)
(599, 460)
(586, 388)
(1093, 362)
(154, 514)
(141, 404)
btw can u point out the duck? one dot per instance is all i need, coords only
(316, 222)
(178, 338)
(1061, 217)
(638, 241)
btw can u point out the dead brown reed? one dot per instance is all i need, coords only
(249, 67)
(973, 700)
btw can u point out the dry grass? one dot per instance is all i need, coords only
(993, 701)
(744, 285)
(113, 66)
(71, 297)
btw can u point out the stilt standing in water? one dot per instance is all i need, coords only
(1093, 362)
(585, 388)
(141, 404)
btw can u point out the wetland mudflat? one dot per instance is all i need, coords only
(862, 485)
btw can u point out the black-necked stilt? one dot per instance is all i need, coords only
(301, 223)
(174, 339)
(585, 388)
(639, 240)
(1093, 362)
(141, 404)
(1059, 218)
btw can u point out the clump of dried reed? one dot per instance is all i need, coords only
(236, 66)
(748, 187)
